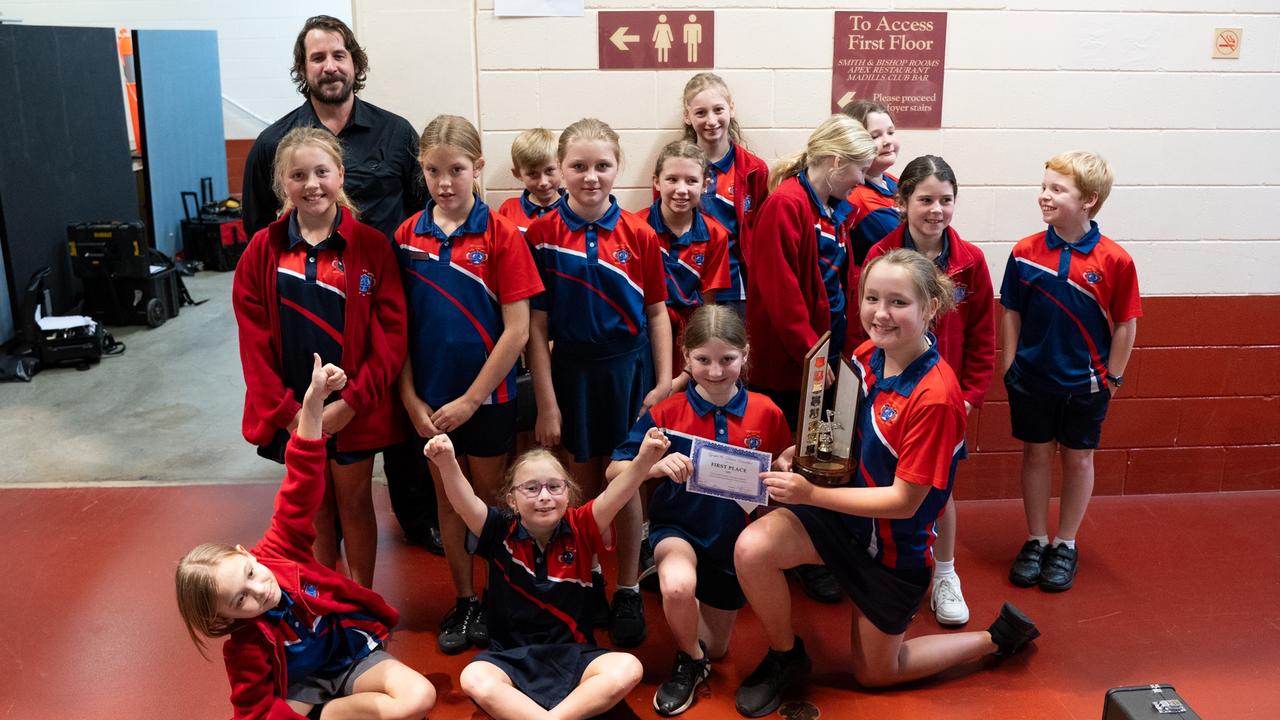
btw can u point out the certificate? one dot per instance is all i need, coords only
(729, 472)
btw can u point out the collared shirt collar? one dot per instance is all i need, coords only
(1084, 245)
(477, 221)
(944, 256)
(737, 405)
(697, 231)
(905, 382)
(836, 213)
(282, 608)
(533, 209)
(576, 223)
(361, 116)
(725, 164)
(335, 241)
(522, 533)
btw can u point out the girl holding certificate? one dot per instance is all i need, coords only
(875, 535)
(693, 535)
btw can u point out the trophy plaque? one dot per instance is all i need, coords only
(824, 433)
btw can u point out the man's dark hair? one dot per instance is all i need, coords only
(329, 24)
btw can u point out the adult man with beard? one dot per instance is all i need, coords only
(382, 178)
(379, 147)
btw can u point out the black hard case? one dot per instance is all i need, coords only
(1143, 702)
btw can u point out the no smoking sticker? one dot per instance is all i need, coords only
(1226, 42)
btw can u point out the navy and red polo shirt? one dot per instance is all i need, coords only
(1070, 297)
(749, 420)
(833, 256)
(456, 285)
(599, 275)
(311, 283)
(909, 426)
(695, 262)
(523, 211)
(877, 215)
(539, 596)
(718, 202)
(323, 646)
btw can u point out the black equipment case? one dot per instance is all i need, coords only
(114, 249)
(1146, 702)
(122, 284)
(215, 236)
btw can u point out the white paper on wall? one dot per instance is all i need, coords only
(538, 8)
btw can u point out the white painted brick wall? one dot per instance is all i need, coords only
(1194, 141)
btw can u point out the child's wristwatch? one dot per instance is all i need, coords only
(1116, 380)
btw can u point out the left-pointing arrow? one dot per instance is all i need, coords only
(620, 38)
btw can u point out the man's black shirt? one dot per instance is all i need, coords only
(380, 152)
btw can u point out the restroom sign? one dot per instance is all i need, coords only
(894, 58)
(656, 40)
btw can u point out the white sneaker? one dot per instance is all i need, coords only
(947, 601)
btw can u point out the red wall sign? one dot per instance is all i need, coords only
(657, 40)
(894, 58)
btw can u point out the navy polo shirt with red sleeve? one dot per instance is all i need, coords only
(539, 596)
(1069, 296)
(833, 256)
(909, 426)
(695, 262)
(455, 287)
(311, 290)
(749, 420)
(718, 202)
(599, 275)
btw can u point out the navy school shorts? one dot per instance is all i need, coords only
(717, 586)
(1074, 421)
(888, 597)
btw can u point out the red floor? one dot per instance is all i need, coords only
(1173, 589)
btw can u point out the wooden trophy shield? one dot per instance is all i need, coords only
(824, 432)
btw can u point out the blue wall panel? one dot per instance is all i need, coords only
(181, 113)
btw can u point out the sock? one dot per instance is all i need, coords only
(1042, 539)
(1063, 541)
(629, 588)
(944, 567)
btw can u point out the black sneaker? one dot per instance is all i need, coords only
(761, 693)
(819, 584)
(1012, 631)
(626, 621)
(1059, 568)
(453, 629)
(648, 569)
(676, 694)
(599, 601)
(1026, 567)
(478, 629)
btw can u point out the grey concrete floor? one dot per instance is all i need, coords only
(166, 411)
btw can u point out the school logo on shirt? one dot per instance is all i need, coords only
(311, 590)
(477, 257)
(567, 556)
(746, 204)
(699, 259)
(888, 413)
(962, 292)
(753, 441)
(366, 282)
(337, 265)
(622, 255)
(1093, 277)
